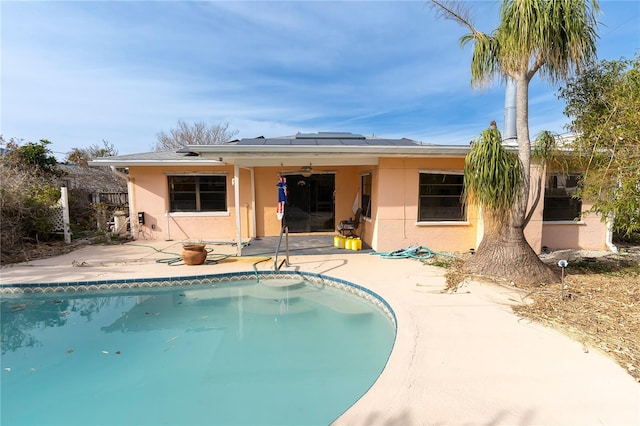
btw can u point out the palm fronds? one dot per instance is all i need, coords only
(492, 175)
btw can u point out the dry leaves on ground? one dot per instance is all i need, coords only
(42, 250)
(600, 310)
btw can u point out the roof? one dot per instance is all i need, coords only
(167, 158)
(309, 140)
(323, 148)
(94, 179)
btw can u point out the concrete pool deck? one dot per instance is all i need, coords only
(459, 359)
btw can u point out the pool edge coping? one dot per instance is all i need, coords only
(49, 288)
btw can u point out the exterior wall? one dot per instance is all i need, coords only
(533, 230)
(394, 223)
(348, 187)
(266, 179)
(587, 234)
(396, 226)
(151, 195)
(347, 184)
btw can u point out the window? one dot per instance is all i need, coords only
(198, 193)
(441, 197)
(365, 182)
(559, 201)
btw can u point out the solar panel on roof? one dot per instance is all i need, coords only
(390, 142)
(329, 135)
(325, 140)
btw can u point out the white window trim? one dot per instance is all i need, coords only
(563, 222)
(442, 222)
(363, 174)
(442, 171)
(199, 214)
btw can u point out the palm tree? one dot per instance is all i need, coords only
(492, 176)
(551, 38)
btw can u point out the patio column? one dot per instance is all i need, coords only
(236, 191)
(253, 203)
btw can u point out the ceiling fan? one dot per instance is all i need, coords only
(305, 171)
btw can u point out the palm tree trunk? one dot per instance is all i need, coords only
(504, 252)
(524, 148)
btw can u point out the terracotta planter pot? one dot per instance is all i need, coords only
(193, 254)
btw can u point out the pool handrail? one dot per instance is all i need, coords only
(283, 231)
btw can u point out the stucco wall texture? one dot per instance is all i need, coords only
(394, 211)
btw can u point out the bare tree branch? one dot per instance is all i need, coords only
(198, 133)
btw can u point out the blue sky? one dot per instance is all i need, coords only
(79, 72)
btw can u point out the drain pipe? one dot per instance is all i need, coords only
(133, 219)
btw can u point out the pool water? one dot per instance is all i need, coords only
(234, 353)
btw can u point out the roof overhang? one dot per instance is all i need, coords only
(284, 155)
(120, 162)
(292, 155)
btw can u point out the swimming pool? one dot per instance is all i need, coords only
(289, 349)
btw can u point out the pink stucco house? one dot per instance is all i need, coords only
(409, 193)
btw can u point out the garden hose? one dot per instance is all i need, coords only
(176, 261)
(415, 252)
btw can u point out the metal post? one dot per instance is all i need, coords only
(66, 223)
(563, 264)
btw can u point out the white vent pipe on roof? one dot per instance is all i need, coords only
(510, 134)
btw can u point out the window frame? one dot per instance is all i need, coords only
(573, 204)
(198, 195)
(460, 220)
(365, 198)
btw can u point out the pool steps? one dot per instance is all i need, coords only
(290, 289)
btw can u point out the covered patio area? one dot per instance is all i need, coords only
(299, 245)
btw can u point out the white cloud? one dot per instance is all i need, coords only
(80, 72)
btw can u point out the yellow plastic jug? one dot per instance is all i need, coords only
(348, 245)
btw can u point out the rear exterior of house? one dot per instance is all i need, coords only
(409, 193)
